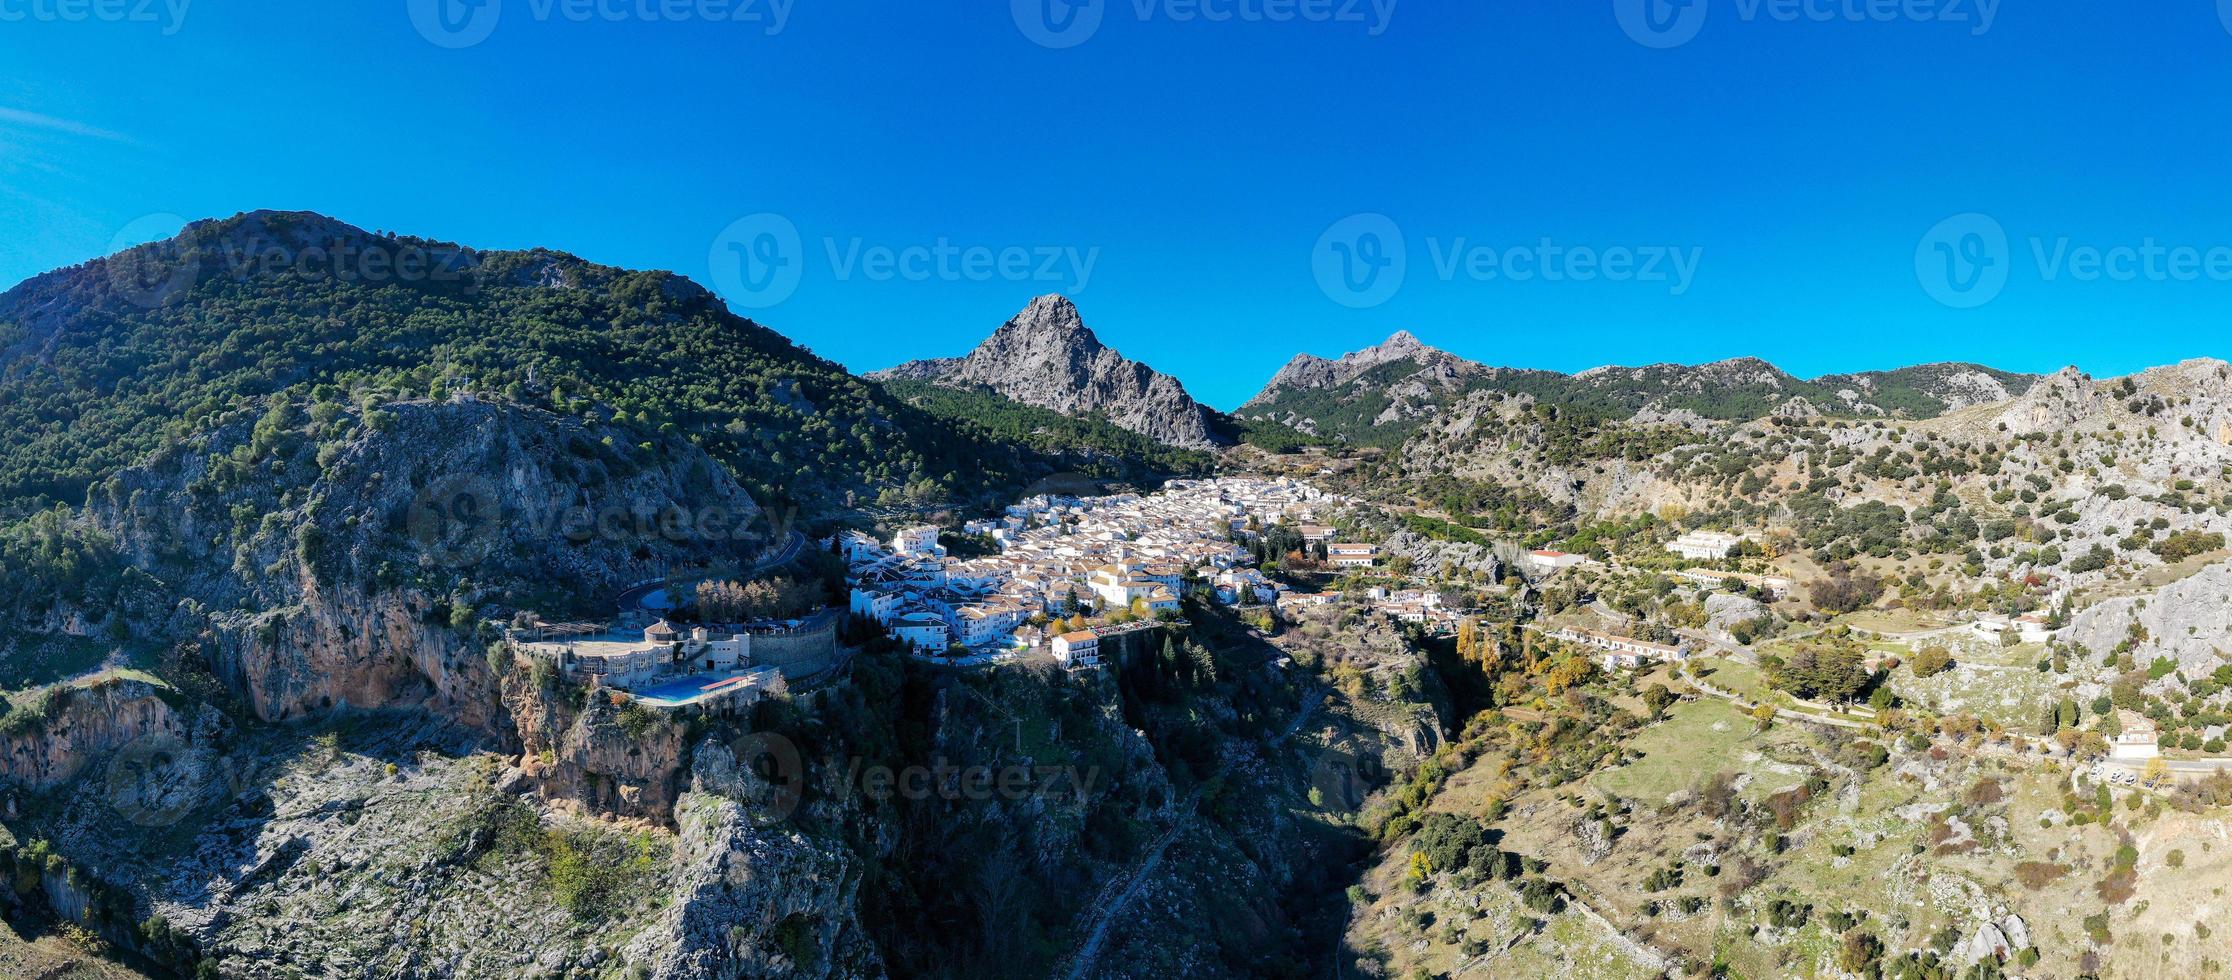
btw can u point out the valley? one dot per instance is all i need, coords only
(548, 619)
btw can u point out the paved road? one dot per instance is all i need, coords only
(1781, 713)
(632, 598)
(2196, 766)
(1105, 911)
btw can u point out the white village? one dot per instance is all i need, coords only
(1123, 559)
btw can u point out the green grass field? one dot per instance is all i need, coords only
(1697, 738)
(1741, 679)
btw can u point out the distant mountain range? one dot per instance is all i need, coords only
(105, 360)
(1046, 357)
(1378, 395)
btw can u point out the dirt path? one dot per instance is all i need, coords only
(1104, 911)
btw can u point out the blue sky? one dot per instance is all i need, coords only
(1188, 179)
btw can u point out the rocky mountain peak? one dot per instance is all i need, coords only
(1309, 371)
(2058, 401)
(1401, 340)
(1054, 316)
(1049, 327)
(1046, 356)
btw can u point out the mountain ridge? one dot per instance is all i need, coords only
(108, 360)
(1045, 356)
(1381, 393)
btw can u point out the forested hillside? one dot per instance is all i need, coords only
(104, 362)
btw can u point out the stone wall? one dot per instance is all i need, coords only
(809, 650)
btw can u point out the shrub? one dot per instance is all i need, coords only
(1932, 661)
(2038, 874)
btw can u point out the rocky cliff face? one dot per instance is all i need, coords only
(338, 559)
(607, 761)
(751, 901)
(82, 724)
(1046, 357)
(2062, 400)
(2187, 621)
(1308, 371)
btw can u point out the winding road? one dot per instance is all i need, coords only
(632, 598)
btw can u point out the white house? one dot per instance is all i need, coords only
(877, 604)
(1078, 649)
(1623, 651)
(1704, 545)
(858, 546)
(1352, 554)
(1774, 586)
(2137, 739)
(1117, 588)
(923, 632)
(709, 651)
(1244, 584)
(922, 539)
(984, 624)
(1551, 561)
